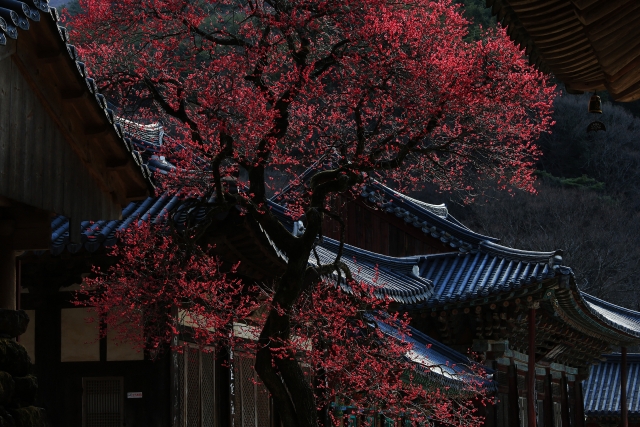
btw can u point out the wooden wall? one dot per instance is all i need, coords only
(37, 166)
(60, 386)
(379, 231)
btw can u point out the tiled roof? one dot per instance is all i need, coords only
(15, 16)
(416, 282)
(602, 388)
(614, 315)
(393, 278)
(433, 220)
(429, 281)
(434, 358)
(102, 233)
(493, 269)
(432, 280)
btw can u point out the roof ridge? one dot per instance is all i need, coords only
(525, 255)
(425, 216)
(413, 259)
(440, 209)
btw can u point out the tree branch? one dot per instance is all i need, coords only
(230, 41)
(180, 113)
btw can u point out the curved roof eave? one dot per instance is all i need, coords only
(595, 317)
(613, 315)
(435, 359)
(587, 44)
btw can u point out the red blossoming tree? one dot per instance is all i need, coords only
(379, 89)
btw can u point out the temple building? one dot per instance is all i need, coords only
(521, 311)
(61, 153)
(86, 380)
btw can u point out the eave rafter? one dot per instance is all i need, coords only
(588, 44)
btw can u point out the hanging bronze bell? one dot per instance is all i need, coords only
(595, 104)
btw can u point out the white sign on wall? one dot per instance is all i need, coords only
(134, 395)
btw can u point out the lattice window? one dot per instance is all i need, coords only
(502, 409)
(556, 390)
(263, 418)
(102, 402)
(179, 378)
(522, 411)
(208, 389)
(557, 414)
(195, 388)
(251, 400)
(540, 413)
(502, 378)
(245, 392)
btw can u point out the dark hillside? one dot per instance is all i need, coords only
(588, 201)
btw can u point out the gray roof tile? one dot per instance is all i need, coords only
(602, 388)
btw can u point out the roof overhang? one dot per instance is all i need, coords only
(587, 44)
(40, 55)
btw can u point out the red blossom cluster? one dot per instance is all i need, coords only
(159, 285)
(353, 362)
(374, 83)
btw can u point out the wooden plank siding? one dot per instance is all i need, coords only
(37, 165)
(378, 231)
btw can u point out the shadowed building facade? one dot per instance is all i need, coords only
(537, 332)
(60, 153)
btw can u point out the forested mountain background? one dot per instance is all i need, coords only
(588, 200)
(588, 192)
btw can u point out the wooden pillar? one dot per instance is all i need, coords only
(513, 396)
(623, 389)
(564, 399)
(7, 275)
(579, 399)
(531, 374)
